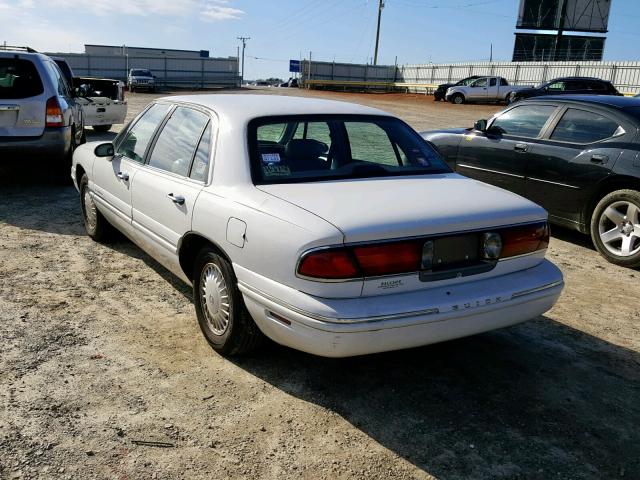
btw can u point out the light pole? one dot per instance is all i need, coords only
(244, 44)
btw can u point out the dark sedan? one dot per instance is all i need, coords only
(577, 156)
(567, 86)
(441, 91)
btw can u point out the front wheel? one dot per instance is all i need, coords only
(615, 228)
(457, 99)
(96, 226)
(222, 314)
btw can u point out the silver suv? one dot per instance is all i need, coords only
(39, 115)
(141, 78)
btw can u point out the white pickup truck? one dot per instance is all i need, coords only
(484, 89)
(102, 99)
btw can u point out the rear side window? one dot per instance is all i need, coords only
(493, 82)
(503, 83)
(178, 140)
(579, 126)
(525, 121)
(201, 160)
(136, 140)
(19, 79)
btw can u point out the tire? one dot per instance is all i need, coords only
(214, 285)
(132, 89)
(457, 99)
(615, 228)
(96, 226)
(102, 128)
(83, 138)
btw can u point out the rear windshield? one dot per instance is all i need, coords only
(306, 148)
(141, 73)
(19, 79)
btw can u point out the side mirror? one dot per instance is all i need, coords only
(480, 125)
(104, 150)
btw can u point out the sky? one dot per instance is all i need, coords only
(416, 31)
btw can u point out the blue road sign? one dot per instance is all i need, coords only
(294, 66)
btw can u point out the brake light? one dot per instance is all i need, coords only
(54, 117)
(524, 239)
(334, 264)
(392, 258)
(388, 259)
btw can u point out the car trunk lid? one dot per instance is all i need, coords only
(402, 207)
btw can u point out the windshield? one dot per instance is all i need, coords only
(307, 148)
(140, 73)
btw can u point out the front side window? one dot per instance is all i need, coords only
(135, 142)
(482, 82)
(178, 140)
(580, 126)
(19, 79)
(556, 87)
(466, 82)
(525, 121)
(338, 147)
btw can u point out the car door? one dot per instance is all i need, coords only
(477, 91)
(111, 179)
(499, 155)
(575, 154)
(165, 189)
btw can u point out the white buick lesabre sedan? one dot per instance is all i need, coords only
(329, 227)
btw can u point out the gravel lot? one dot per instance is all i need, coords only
(104, 372)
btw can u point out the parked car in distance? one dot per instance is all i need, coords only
(484, 89)
(577, 156)
(277, 239)
(102, 99)
(141, 78)
(39, 115)
(440, 92)
(567, 86)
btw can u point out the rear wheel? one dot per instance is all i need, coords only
(95, 224)
(457, 99)
(222, 314)
(615, 228)
(102, 128)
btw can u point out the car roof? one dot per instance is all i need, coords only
(22, 54)
(243, 107)
(607, 100)
(578, 78)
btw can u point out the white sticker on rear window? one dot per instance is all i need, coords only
(270, 158)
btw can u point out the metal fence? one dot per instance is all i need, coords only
(624, 75)
(170, 72)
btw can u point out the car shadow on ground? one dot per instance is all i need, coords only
(572, 236)
(539, 400)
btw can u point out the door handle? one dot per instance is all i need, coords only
(596, 158)
(123, 176)
(521, 147)
(179, 199)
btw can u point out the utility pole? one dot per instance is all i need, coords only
(244, 44)
(375, 55)
(491, 53)
(556, 47)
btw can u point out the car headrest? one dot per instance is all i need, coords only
(305, 148)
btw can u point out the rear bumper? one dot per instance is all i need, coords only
(53, 144)
(358, 326)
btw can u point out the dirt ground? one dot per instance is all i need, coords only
(104, 372)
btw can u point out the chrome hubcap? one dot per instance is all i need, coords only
(619, 228)
(90, 211)
(215, 298)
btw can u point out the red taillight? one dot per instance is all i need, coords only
(524, 239)
(54, 117)
(388, 259)
(335, 264)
